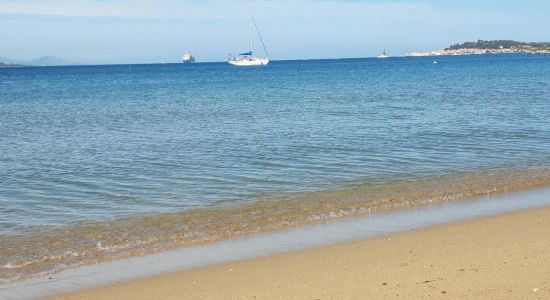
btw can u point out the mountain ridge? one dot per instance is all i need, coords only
(43, 61)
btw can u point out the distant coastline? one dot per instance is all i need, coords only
(9, 65)
(479, 47)
(488, 47)
(44, 61)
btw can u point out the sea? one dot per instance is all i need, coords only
(104, 162)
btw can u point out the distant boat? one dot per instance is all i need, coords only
(383, 55)
(188, 58)
(247, 59)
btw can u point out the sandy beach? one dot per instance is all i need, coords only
(494, 257)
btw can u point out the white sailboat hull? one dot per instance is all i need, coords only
(249, 62)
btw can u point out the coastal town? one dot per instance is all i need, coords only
(488, 47)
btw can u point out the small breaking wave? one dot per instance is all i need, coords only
(48, 250)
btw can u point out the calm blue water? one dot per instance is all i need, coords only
(101, 142)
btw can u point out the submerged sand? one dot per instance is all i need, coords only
(503, 257)
(49, 250)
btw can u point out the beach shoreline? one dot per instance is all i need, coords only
(468, 259)
(294, 240)
(104, 242)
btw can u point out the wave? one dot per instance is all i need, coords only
(43, 250)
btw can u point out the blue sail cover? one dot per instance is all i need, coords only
(249, 53)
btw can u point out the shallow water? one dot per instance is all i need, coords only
(150, 157)
(294, 239)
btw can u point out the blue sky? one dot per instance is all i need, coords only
(140, 31)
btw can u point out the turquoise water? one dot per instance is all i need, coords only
(97, 143)
(106, 141)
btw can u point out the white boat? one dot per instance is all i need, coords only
(187, 58)
(383, 55)
(247, 59)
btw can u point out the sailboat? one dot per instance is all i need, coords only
(383, 55)
(247, 59)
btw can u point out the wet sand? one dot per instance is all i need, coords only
(494, 257)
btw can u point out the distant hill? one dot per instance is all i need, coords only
(499, 44)
(482, 47)
(41, 61)
(49, 61)
(10, 65)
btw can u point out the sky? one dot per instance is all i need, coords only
(140, 31)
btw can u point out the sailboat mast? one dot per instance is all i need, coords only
(250, 33)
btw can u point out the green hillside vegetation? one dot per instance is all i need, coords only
(499, 44)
